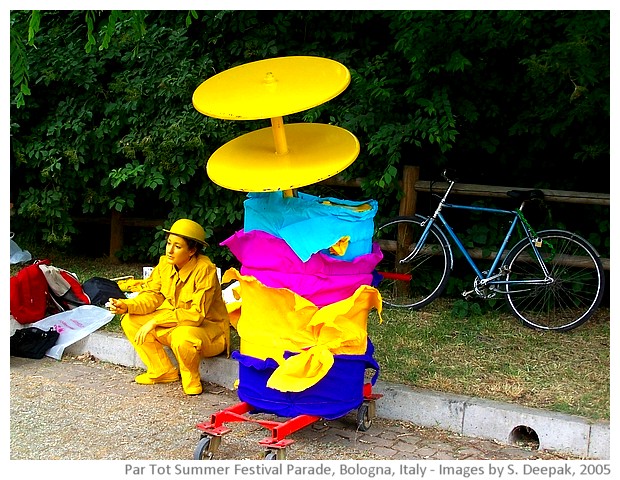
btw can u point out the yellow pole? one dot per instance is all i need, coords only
(279, 136)
(279, 139)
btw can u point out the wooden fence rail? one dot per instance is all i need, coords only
(411, 185)
(560, 196)
(117, 228)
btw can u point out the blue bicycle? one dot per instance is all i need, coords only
(551, 279)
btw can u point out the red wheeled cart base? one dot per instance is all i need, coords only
(276, 444)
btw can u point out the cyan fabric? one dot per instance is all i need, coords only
(311, 224)
(336, 394)
(276, 320)
(323, 279)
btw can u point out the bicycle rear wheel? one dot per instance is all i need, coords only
(422, 279)
(576, 290)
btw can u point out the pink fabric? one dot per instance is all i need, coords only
(322, 279)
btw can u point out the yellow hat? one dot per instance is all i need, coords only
(188, 229)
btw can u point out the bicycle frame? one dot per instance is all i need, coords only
(491, 276)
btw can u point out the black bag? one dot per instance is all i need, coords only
(100, 290)
(32, 342)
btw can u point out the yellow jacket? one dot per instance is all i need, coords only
(190, 297)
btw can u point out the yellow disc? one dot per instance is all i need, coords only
(271, 88)
(316, 151)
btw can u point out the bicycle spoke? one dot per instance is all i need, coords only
(575, 289)
(423, 278)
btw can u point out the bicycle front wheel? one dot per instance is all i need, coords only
(575, 285)
(419, 281)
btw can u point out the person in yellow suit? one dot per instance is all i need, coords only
(181, 307)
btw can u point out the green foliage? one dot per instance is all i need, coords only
(102, 120)
(465, 309)
(19, 59)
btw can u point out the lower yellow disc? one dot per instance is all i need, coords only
(250, 163)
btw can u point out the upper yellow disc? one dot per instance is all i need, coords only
(271, 88)
(316, 151)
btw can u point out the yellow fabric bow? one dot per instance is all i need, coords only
(273, 321)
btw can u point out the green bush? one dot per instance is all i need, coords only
(102, 119)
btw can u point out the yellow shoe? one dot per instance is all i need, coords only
(193, 390)
(147, 379)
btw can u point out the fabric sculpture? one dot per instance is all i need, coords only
(275, 321)
(312, 224)
(339, 392)
(322, 279)
(305, 288)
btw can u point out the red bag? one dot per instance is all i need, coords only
(29, 294)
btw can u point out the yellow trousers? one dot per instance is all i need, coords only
(188, 344)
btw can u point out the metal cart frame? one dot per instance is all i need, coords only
(275, 445)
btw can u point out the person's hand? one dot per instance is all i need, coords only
(116, 306)
(143, 332)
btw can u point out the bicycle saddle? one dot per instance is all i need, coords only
(524, 195)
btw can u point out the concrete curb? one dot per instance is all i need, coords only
(468, 416)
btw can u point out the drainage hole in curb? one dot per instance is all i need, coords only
(524, 436)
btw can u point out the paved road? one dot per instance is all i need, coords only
(83, 409)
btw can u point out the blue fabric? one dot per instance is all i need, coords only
(308, 225)
(339, 392)
(377, 278)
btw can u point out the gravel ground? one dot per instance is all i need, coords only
(93, 410)
(83, 409)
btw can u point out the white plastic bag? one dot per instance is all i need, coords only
(18, 255)
(73, 325)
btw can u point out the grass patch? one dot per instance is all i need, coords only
(489, 356)
(493, 356)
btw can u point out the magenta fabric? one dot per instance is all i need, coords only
(322, 279)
